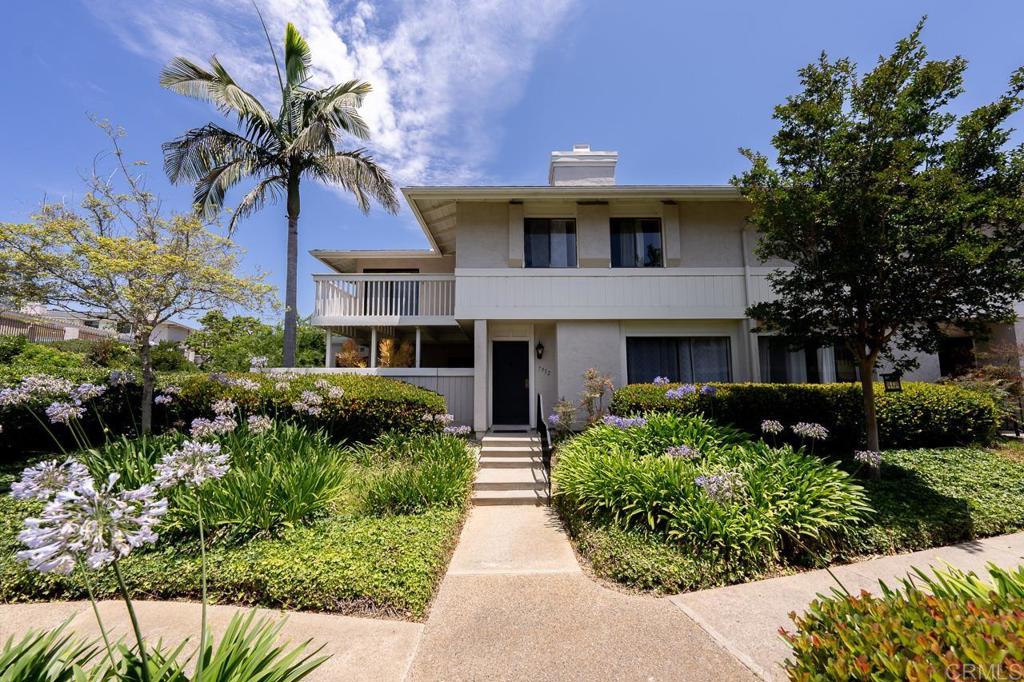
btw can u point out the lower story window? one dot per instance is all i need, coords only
(690, 359)
(781, 363)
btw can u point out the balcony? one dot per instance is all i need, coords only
(384, 300)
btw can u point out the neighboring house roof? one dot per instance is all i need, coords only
(434, 207)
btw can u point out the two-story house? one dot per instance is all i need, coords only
(524, 288)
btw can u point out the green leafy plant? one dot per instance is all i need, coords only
(709, 488)
(418, 473)
(87, 527)
(922, 415)
(947, 625)
(46, 656)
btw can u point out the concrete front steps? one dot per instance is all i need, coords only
(511, 471)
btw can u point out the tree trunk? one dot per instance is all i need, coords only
(148, 382)
(867, 383)
(290, 313)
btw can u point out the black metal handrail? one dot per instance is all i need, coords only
(545, 442)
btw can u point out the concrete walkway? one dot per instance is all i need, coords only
(360, 648)
(745, 619)
(516, 606)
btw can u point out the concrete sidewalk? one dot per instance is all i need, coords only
(360, 648)
(745, 619)
(516, 606)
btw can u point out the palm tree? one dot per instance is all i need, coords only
(277, 152)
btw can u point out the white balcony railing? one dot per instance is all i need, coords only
(391, 299)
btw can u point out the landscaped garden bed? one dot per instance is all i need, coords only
(294, 516)
(670, 501)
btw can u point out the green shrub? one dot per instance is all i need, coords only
(46, 359)
(11, 347)
(738, 499)
(285, 477)
(947, 626)
(168, 357)
(26, 428)
(369, 407)
(418, 473)
(922, 415)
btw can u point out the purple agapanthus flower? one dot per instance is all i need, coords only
(660, 381)
(44, 480)
(90, 524)
(624, 422)
(63, 413)
(680, 392)
(682, 452)
(721, 487)
(872, 458)
(708, 390)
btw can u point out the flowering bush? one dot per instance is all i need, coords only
(40, 409)
(948, 625)
(708, 489)
(87, 527)
(922, 415)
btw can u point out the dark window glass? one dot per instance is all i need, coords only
(550, 242)
(956, 355)
(846, 365)
(686, 359)
(782, 363)
(636, 242)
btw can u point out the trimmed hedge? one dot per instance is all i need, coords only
(369, 406)
(922, 415)
(953, 627)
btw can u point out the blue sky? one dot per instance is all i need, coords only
(466, 92)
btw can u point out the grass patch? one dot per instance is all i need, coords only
(926, 498)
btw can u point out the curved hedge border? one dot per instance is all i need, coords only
(369, 406)
(922, 415)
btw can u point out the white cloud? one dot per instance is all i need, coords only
(442, 70)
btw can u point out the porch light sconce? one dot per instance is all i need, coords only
(540, 350)
(892, 382)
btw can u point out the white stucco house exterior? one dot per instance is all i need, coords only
(525, 287)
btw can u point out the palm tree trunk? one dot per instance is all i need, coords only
(290, 313)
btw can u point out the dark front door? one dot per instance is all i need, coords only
(510, 382)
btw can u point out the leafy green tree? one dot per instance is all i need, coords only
(898, 216)
(228, 344)
(121, 256)
(278, 152)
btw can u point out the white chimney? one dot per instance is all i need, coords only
(582, 167)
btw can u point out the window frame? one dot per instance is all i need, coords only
(636, 223)
(549, 219)
(727, 338)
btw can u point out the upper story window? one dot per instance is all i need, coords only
(550, 242)
(636, 243)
